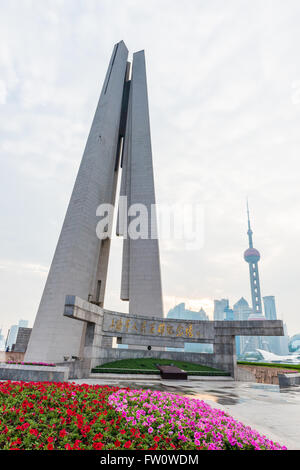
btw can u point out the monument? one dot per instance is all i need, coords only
(119, 138)
(71, 319)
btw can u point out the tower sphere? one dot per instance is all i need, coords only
(252, 255)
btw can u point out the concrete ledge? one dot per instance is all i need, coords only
(288, 380)
(125, 376)
(157, 377)
(19, 372)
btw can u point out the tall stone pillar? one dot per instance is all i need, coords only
(141, 277)
(80, 261)
(119, 136)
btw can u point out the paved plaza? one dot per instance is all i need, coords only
(274, 413)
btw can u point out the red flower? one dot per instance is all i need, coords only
(127, 444)
(50, 447)
(98, 436)
(117, 443)
(156, 438)
(62, 433)
(98, 445)
(85, 429)
(50, 439)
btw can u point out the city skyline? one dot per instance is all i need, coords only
(230, 112)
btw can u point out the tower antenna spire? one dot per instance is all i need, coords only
(248, 214)
(250, 233)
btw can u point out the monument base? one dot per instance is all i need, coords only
(103, 325)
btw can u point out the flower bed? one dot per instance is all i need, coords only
(50, 416)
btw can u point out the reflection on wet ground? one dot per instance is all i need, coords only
(218, 396)
(234, 394)
(215, 395)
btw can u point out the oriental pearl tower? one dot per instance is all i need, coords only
(252, 257)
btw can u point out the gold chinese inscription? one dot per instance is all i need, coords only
(119, 325)
(161, 329)
(154, 328)
(127, 323)
(189, 331)
(179, 331)
(170, 330)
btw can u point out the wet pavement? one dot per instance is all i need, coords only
(272, 412)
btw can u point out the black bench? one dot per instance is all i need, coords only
(172, 372)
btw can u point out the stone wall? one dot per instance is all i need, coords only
(261, 374)
(11, 356)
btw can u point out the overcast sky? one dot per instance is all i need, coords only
(224, 93)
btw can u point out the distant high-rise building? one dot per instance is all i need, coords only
(181, 313)
(270, 307)
(270, 314)
(219, 309)
(11, 337)
(241, 311)
(13, 332)
(228, 314)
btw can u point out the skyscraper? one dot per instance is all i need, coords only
(270, 307)
(13, 333)
(219, 309)
(241, 311)
(180, 312)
